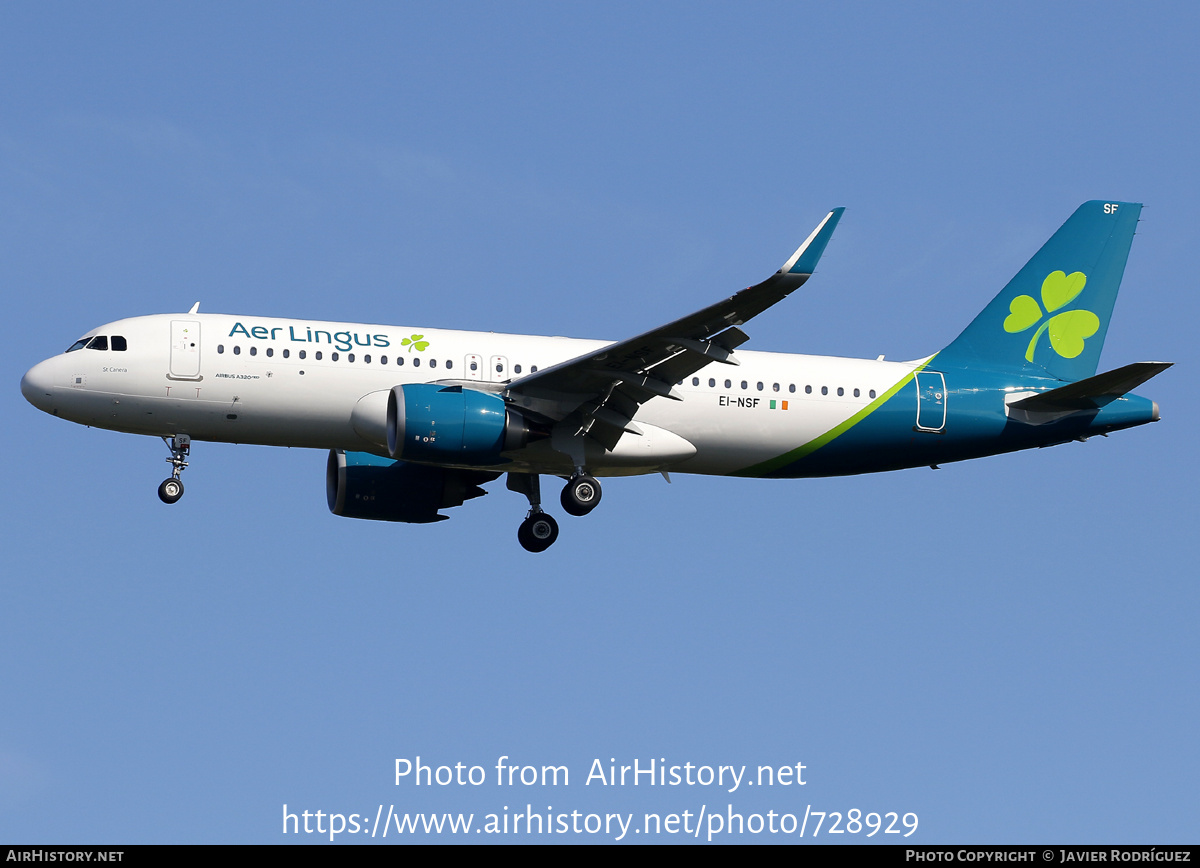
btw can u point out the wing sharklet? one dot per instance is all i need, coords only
(804, 260)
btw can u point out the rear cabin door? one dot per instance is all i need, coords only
(931, 401)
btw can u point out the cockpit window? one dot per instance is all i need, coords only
(99, 342)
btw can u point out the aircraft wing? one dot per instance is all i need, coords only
(599, 393)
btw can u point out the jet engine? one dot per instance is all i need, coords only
(452, 425)
(361, 485)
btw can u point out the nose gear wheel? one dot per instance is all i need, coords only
(172, 489)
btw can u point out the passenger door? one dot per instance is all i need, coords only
(185, 350)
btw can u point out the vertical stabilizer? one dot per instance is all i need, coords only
(1054, 314)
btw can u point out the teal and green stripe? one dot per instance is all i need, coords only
(773, 464)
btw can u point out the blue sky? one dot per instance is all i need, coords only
(1006, 648)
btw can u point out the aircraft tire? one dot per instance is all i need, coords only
(580, 495)
(170, 490)
(538, 532)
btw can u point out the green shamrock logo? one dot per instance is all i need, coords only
(1068, 330)
(415, 341)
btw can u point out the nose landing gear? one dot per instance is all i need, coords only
(172, 489)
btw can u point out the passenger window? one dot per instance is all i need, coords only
(449, 364)
(856, 393)
(270, 352)
(317, 355)
(383, 360)
(350, 357)
(474, 366)
(808, 390)
(841, 391)
(533, 370)
(237, 350)
(791, 387)
(220, 349)
(743, 384)
(332, 356)
(400, 361)
(760, 387)
(516, 369)
(254, 351)
(286, 353)
(775, 387)
(433, 363)
(99, 342)
(695, 381)
(711, 382)
(871, 393)
(118, 344)
(416, 363)
(367, 359)
(728, 384)
(303, 354)
(824, 390)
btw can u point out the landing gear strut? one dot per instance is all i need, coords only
(581, 494)
(172, 489)
(539, 530)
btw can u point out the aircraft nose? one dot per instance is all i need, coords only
(38, 386)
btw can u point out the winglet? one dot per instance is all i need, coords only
(804, 260)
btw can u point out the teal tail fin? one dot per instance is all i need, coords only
(1053, 316)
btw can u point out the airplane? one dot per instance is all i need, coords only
(417, 419)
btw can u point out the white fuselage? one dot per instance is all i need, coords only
(285, 382)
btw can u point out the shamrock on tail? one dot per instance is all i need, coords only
(1068, 330)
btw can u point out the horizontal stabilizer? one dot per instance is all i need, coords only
(1094, 392)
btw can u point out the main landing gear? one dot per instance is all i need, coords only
(580, 495)
(172, 489)
(539, 530)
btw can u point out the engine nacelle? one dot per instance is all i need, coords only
(361, 485)
(452, 425)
